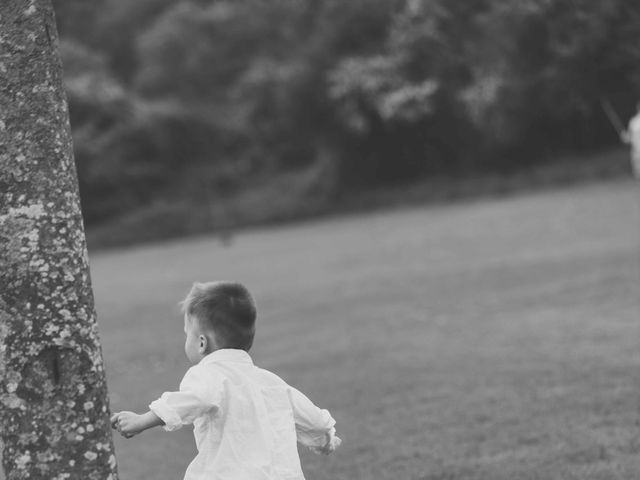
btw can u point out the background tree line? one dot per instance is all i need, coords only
(183, 102)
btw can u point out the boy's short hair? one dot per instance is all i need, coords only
(227, 308)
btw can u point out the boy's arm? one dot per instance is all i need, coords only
(199, 394)
(172, 409)
(315, 427)
(130, 423)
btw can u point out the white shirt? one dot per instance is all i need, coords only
(246, 420)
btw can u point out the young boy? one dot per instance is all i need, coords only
(632, 136)
(246, 420)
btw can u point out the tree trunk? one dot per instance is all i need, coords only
(54, 420)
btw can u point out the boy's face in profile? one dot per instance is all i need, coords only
(193, 340)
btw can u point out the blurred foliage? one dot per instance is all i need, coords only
(195, 100)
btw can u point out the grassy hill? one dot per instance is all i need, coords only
(494, 340)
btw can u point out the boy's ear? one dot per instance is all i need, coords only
(203, 344)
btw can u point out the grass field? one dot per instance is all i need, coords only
(494, 340)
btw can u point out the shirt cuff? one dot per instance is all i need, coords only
(167, 414)
(323, 440)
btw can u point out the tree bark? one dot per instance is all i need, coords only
(54, 414)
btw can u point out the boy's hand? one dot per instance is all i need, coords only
(127, 424)
(333, 442)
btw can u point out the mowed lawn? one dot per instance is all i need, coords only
(493, 340)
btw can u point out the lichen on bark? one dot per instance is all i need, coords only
(53, 396)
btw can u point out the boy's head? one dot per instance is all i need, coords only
(218, 315)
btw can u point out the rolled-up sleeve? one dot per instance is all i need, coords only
(195, 398)
(315, 427)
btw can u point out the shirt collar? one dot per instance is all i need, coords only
(227, 355)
